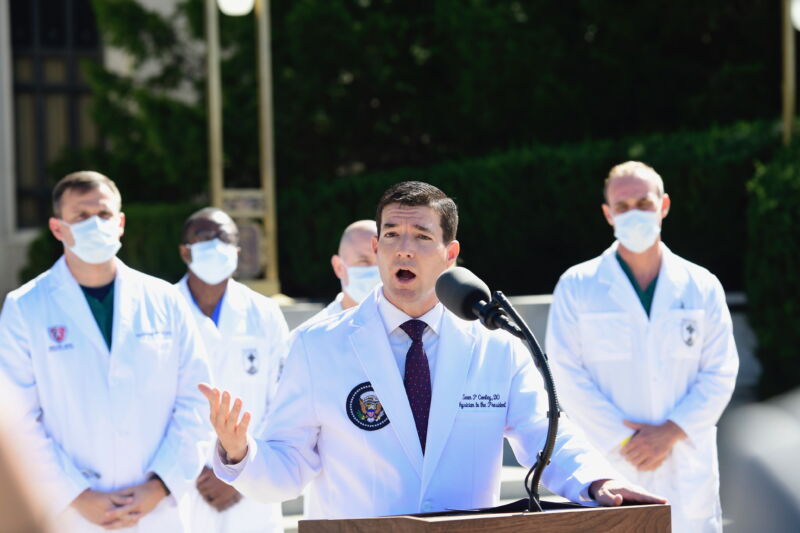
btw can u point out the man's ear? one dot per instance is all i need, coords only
(122, 224)
(56, 229)
(338, 267)
(665, 205)
(185, 252)
(374, 242)
(453, 249)
(607, 214)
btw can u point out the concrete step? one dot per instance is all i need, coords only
(512, 488)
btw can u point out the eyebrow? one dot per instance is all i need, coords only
(420, 227)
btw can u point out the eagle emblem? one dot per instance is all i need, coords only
(364, 409)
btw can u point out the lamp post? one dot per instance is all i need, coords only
(246, 203)
(790, 21)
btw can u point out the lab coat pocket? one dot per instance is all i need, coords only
(605, 336)
(683, 330)
(696, 475)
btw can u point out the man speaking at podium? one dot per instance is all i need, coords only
(396, 406)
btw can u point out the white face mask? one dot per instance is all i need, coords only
(96, 239)
(213, 261)
(360, 281)
(637, 230)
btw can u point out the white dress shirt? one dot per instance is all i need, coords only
(399, 340)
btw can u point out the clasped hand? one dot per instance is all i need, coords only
(122, 508)
(651, 445)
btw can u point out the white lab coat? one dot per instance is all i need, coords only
(357, 472)
(246, 350)
(333, 308)
(104, 420)
(612, 363)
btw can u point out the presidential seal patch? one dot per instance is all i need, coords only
(364, 409)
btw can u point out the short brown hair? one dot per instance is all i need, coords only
(631, 168)
(82, 181)
(418, 193)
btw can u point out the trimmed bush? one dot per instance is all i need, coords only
(773, 269)
(529, 213)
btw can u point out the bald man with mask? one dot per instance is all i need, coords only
(356, 267)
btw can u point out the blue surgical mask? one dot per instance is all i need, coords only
(360, 281)
(637, 230)
(96, 239)
(213, 261)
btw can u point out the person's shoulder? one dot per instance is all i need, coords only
(253, 298)
(584, 272)
(152, 284)
(698, 275)
(322, 328)
(32, 289)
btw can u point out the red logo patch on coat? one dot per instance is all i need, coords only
(58, 333)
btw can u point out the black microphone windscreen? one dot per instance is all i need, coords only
(459, 290)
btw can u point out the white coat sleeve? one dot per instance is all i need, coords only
(278, 466)
(575, 464)
(55, 475)
(707, 397)
(279, 347)
(182, 452)
(586, 405)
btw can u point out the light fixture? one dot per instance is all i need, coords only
(235, 8)
(794, 10)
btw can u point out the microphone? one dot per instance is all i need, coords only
(469, 298)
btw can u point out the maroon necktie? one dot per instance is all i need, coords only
(417, 378)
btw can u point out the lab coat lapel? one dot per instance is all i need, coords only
(125, 306)
(620, 288)
(672, 279)
(455, 352)
(70, 299)
(371, 346)
(232, 312)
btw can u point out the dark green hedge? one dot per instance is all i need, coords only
(150, 243)
(773, 269)
(526, 214)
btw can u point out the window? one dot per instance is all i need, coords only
(49, 39)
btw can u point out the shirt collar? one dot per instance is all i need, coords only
(393, 317)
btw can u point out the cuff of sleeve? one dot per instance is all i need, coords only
(171, 477)
(682, 422)
(229, 472)
(67, 494)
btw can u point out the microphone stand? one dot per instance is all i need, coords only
(492, 315)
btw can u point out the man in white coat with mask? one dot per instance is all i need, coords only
(355, 266)
(246, 336)
(642, 348)
(105, 361)
(379, 409)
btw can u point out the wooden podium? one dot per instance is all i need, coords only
(561, 519)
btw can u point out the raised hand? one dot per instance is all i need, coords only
(232, 432)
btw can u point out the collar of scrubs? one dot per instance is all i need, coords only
(645, 295)
(393, 317)
(217, 309)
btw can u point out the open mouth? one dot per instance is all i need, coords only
(405, 275)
